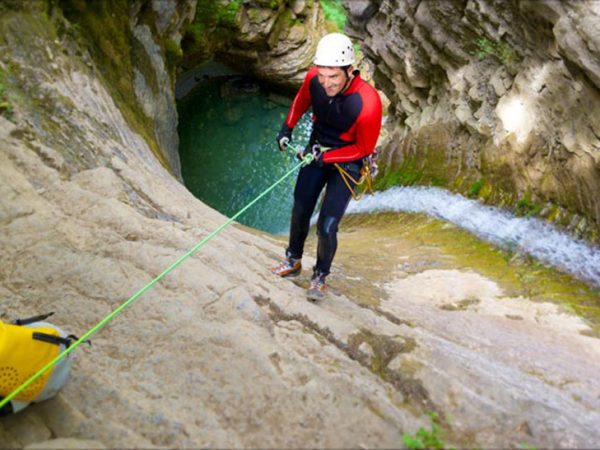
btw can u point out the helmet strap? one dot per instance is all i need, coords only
(348, 79)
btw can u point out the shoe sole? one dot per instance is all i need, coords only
(315, 296)
(289, 274)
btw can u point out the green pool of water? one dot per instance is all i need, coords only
(227, 129)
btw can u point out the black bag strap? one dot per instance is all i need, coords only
(33, 319)
(51, 339)
(57, 340)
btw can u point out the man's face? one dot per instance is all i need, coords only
(332, 79)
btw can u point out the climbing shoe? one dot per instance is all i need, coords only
(316, 290)
(290, 267)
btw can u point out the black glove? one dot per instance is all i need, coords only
(284, 137)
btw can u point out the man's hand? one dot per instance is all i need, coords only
(316, 150)
(283, 143)
(284, 137)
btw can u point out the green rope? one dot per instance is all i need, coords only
(307, 160)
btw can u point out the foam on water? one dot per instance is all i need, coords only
(528, 235)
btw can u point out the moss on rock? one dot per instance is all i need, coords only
(104, 27)
(421, 243)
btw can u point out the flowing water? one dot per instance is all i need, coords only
(526, 235)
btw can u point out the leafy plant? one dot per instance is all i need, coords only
(226, 16)
(475, 188)
(526, 206)
(213, 22)
(500, 50)
(425, 439)
(334, 13)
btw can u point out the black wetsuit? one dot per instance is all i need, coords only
(349, 123)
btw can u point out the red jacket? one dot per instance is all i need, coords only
(349, 122)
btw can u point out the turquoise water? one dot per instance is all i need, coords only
(227, 129)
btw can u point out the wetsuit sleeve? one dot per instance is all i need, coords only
(301, 101)
(367, 128)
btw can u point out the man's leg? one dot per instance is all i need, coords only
(337, 197)
(309, 184)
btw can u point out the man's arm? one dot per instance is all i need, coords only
(301, 101)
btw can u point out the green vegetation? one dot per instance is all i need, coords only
(173, 52)
(214, 20)
(225, 16)
(425, 167)
(526, 207)
(399, 177)
(285, 21)
(195, 40)
(425, 439)
(6, 109)
(475, 188)
(406, 174)
(275, 4)
(335, 14)
(499, 50)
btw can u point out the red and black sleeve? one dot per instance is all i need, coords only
(302, 100)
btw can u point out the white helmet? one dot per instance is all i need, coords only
(334, 50)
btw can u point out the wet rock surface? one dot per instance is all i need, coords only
(506, 93)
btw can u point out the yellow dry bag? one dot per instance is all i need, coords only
(25, 348)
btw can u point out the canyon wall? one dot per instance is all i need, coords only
(499, 100)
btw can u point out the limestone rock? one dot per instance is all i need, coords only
(519, 77)
(276, 44)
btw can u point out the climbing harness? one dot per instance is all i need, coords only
(315, 150)
(367, 173)
(309, 158)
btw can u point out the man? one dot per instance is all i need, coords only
(346, 124)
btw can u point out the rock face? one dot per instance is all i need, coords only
(271, 39)
(158, 103)
(135, 46)
(505, 94)
(219, 354)
(282, 44)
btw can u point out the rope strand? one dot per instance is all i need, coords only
(307, 160)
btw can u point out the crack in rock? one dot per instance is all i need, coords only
(384, 349)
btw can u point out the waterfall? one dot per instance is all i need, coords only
(527, 235)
